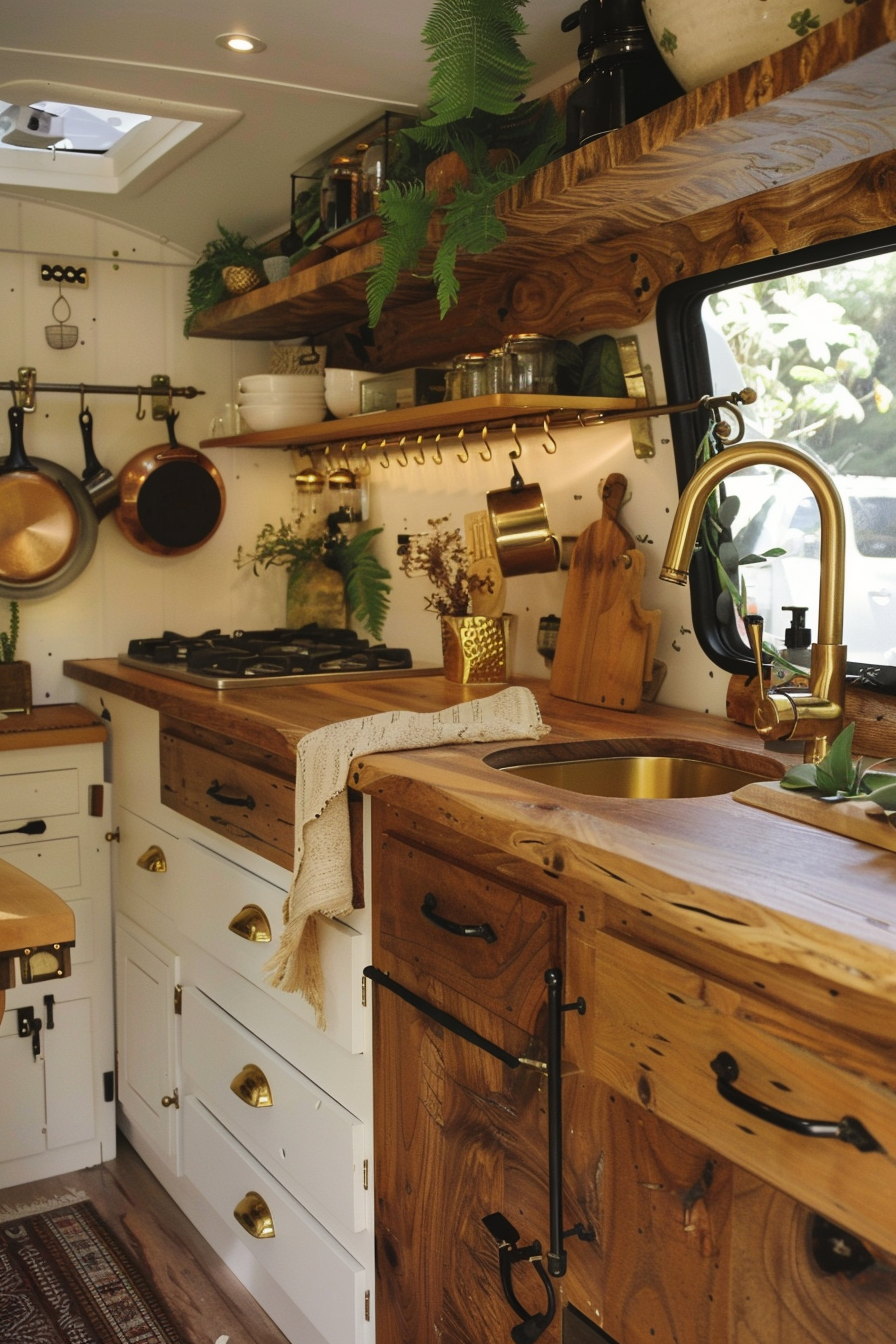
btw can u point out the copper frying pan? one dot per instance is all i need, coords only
(39, 524)
(172, 497)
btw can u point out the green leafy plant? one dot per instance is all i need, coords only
(9, 639)
(205, 286)
(839, 778)
(441, 557)
(476, 108)
(366, 581)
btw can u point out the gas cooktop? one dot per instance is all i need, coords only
(287, 657)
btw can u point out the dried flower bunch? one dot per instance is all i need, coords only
(441, 557)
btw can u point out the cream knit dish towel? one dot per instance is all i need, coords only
(322, 876)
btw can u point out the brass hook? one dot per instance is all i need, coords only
(547, 429)
(344, 455)
(420, 458)
(519, 446)
(465, 455)
(487, 455)
(385, 458)
(403, 460)
(141, 414)
(437, 456)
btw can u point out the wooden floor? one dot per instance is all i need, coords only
(204, 1298)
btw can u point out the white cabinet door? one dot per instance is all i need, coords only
(23, 1106)
(146, 976)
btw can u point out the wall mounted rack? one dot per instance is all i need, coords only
(25, 387)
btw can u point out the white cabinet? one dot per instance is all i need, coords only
(56, 1103)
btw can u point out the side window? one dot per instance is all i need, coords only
(818, 344)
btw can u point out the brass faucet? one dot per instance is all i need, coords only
(816, 715)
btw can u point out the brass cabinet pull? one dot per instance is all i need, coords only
(254, 1216)
(153, 861)
(252, 924)
(251, 1086)
(173, 1100)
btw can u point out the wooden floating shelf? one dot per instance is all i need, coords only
(471, 414)
(826, 102)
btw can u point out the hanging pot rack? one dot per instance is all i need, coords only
(25, 387)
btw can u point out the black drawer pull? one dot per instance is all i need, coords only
(483, 931)
(848, 1130)
(215, 792)
(444, 1019)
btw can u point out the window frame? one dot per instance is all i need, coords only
(686, 370)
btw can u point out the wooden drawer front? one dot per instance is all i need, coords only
(43, 793)
(56, 863)
(505, 975)
(148, 862)
(319, 1275)
(253, 807)
(652, 1029)
(310, 1143)
(213, 891)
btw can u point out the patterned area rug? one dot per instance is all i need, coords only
(64, 1279)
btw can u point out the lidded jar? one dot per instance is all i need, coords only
(338, 193)
(530, 363)
(474, 373)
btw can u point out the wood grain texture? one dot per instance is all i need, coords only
(203, 1297)
(850, 819)
(51, 726)
(31, 915)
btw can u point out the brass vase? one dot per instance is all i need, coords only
(475, 648)
(15, 688)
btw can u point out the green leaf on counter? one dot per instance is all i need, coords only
(884, 796)
(837, 769)
(800, 777)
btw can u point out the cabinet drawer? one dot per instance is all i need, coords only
(252, 806)
(314, 1146)
(501, 966)
(319, 1275)
(214, 891)
(56, 863)
(41, 793)
(652, 1030)
(148, 862)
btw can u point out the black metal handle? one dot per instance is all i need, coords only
(50, 1004)
(505, 1234)
(848, 1129)
(444, 1019)
(483, 931)
(215, 792)
(30, 828)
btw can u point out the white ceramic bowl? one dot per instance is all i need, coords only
(259, 418)
(701, 40)
(342, 389)
(279, 382)
(281, 398)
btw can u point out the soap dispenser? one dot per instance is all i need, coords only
(797, 648)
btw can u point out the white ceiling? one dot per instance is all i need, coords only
(328, 70)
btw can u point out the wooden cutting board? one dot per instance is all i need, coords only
(607, 641)
(848, 819)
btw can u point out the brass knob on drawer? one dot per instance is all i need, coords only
(252, 924)
(153, 861)
(173, 1100)
(251, 1086)
(254, 1216)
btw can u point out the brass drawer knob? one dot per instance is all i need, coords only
(173, 1100)
(153, 861)
(252, 924)
(251, 1086)
(254, 1216)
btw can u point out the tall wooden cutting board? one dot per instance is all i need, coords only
(606, 643)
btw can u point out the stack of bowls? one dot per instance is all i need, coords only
(281, 400)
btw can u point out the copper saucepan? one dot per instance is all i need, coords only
(524, 542)
(172, 497)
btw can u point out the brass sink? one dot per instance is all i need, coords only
(642, 768)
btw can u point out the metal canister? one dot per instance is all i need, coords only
(530, 363)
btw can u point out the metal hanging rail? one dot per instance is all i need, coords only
(25, 387)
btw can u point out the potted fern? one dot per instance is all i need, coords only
(477, 114)
(229, 264)
(15, 676)
(329, 575)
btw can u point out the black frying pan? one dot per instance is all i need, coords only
(172, 497)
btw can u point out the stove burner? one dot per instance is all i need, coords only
(246, 654)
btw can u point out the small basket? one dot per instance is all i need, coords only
(62, 334)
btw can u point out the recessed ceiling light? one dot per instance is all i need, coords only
(240, 42)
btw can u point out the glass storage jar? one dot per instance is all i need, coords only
(530, 363)
(495, 378)
(474, 373)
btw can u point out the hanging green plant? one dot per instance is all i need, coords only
(476, 106)
(205, 286)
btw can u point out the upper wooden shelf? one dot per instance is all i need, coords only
(826, 102)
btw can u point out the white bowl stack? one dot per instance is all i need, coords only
(280, 400)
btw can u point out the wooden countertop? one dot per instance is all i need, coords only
(771, 888)
(31, 915)
(50, 726)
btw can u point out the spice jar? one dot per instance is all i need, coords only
(338, 193)
(495, 377)
(474, 373)
(530, 363)
(454, 380)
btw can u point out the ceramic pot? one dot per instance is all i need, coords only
(15, 688)
(700, 40)
(475, 648)
(315, 595)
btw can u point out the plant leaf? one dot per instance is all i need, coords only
(406, 212)
(837, 765)
(885, 796)
(478, 61)
(800, 777)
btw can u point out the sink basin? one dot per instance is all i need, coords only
(642, 768)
